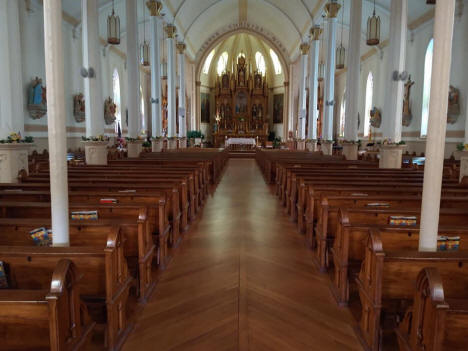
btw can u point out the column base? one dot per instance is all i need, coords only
(96, 152)
(172, 144)
(391, 156)
(134, 149)
(463, 165)
(350, 151)
(13, 159)
(157, 145)
(311, 146)
(182, 143)
(301, 145)
(327, 148)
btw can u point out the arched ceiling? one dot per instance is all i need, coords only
(284, 22)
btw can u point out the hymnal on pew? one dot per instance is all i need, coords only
(84, 215)
(108, 201)
(409, 221)
(41, 236)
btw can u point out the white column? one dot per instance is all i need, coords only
(133, 74)
(353, 74)
(313, 81)
(11, 87)
(56, 120)
(301, 122)
(332, 10)
(182, 108)
(94, 102)
(155, 8)
(435, 144)
(393, 105)
(171, 81)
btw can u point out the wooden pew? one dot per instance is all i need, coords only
(139, 249)
(438, 319)
(104, 286)
(46, 315)
(387, 278)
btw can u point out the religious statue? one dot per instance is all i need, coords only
(110, 108)
(375, 117)
(37, 99)
(258, 81)
(254, 111)
(407, 116)
(453, 105)
(225, 81)
(241, 78)
(260, 111)
(79, 108)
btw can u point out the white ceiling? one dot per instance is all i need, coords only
(284, 22)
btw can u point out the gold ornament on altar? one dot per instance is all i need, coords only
(110, 108)
(407, 115)
(37, 99)
(79, 108)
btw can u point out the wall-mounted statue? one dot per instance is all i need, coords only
(37, 99)
(453, 105)
(79, 108)
(375, 117)
(110, 109)
(407, 116)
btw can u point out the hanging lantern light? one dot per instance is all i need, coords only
(113, 28)
(373, 29)
(431, 2)
(144, 48)
(321, 71)
(341, 51)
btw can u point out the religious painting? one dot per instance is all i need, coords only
(453, 105)
(241, 103)
(278, 103)
(79, 108)
(375, 117)
(205, 108)
(37, 99)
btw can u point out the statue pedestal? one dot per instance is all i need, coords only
(134, 148)
(13, 158)
(182, 143)
(96, 152)
(172, 144)
(301, 145)
(463, 164)
(311, 145)
(157, 145)
(327, 148)
(350, 151)
(391, 156)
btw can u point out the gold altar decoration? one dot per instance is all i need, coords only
(241, 100)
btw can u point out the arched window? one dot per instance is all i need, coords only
(116, 97)
(276, 62)
(222, 63)
(342, 115)
(241, 54)
(369, 96)
(427, 88)
(260, 62)
(206, 66)
(142, 110)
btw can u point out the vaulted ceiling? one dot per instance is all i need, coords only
(285, 23)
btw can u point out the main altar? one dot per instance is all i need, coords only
(241, 99)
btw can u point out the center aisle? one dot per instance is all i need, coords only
(242, 279)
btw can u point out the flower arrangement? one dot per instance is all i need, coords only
(462, 147)
(146, 144)
(95, 138)
(192, 134)
(157, 138)
(390, 142)
(15, 138)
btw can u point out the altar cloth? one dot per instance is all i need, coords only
(241, 141)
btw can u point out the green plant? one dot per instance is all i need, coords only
(402, 143)
(130, 140)
(95, 138)
(461, 147)
(146, 144)
(193, 134)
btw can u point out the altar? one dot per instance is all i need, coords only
(241, 105)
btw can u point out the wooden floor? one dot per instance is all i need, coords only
(242, 280)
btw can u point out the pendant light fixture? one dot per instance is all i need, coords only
(373, 29)
(144, 48)
(431, 2)
(164, 60)
(321, 66)
(341, 51)
(113, 27)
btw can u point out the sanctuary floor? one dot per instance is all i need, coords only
(242, 279)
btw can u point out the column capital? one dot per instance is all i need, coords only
(170, 31)
(305, 47)
(286, 84)
(332, 9)
(155, 7)
(316, 32)
(181, 47)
